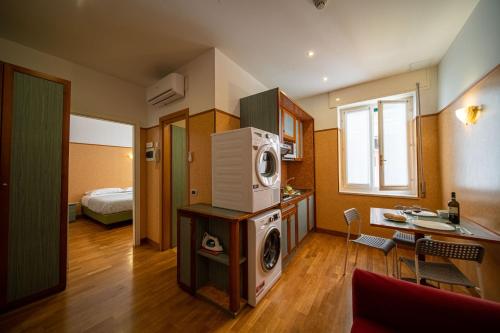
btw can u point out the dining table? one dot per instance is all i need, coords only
(467, 229)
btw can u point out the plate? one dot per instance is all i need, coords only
(433, 225)
(423, 213)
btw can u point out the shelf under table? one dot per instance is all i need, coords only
(221, 258)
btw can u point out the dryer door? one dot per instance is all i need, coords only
(267, 165)
(271, 247)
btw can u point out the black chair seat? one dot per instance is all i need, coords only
(404, 238)
(380, 243)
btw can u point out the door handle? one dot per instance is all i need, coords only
(5, 184)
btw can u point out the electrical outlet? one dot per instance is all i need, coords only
(194, 192)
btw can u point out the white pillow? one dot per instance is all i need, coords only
(106, 190)
(128, 189)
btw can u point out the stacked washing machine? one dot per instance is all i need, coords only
(246, 172)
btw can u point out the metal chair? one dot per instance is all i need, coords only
(402, 238)
(445, 272)
(383, 244)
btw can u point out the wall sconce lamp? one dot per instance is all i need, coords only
(468, 115)
(130, 156)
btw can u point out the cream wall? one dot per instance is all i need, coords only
(100, 132)
(472, 158)
(471, 153)
(199, 95)
(331, 203)
(212, 80)
(232, 83)
(474, 52)
(323, 107)
(93, 94)
(317, 106)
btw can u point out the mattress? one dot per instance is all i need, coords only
(109, 203)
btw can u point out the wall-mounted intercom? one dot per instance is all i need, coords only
(152, 152)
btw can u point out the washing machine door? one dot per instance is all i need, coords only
(271, 248)
(267, 165)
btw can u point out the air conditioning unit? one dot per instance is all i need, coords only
(167, 90)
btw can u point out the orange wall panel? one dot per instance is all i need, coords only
(331, 203)
(200, 174)
(153, 188)
(470, 156)
(96, 166)
(225, 122)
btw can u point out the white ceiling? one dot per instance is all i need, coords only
(142, 40)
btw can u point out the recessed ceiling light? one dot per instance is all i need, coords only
(337, 99)
(325, 78)
(310, 53)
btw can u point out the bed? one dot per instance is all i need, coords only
(108, 205)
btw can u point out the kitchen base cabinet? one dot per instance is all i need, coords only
(284, 237)
(311, 213)
(302, 218)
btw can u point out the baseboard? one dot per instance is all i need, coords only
(152, 243)
(332, 232)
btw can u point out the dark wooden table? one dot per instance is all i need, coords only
(237, 239)
(479, 233)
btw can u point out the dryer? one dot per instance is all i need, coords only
(246, 169)
(264, 254)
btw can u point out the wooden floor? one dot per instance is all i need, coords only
(113, 287)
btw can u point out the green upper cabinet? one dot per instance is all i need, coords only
(261, 111)
(275, 112)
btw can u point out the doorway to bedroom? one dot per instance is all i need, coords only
(100, 192)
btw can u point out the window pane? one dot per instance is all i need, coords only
(395, 145)
(357, 129)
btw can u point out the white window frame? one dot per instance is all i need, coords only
(400, 191)
(343, 166)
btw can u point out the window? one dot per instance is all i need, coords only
(377, 145)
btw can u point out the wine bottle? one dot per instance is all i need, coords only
(454, 209)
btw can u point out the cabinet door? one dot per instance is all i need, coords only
(34, 191)
(261, 111)
(288, 125)
(311, 212)
(292, 220)
(184, 252)
(284, 237)
(302, 218)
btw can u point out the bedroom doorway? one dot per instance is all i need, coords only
(175, 173)
(100, 185)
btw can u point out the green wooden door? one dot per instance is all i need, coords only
(36, 186)
(179, 175)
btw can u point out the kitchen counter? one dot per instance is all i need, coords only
(296, 198)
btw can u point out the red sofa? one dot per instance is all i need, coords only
(383, 304)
